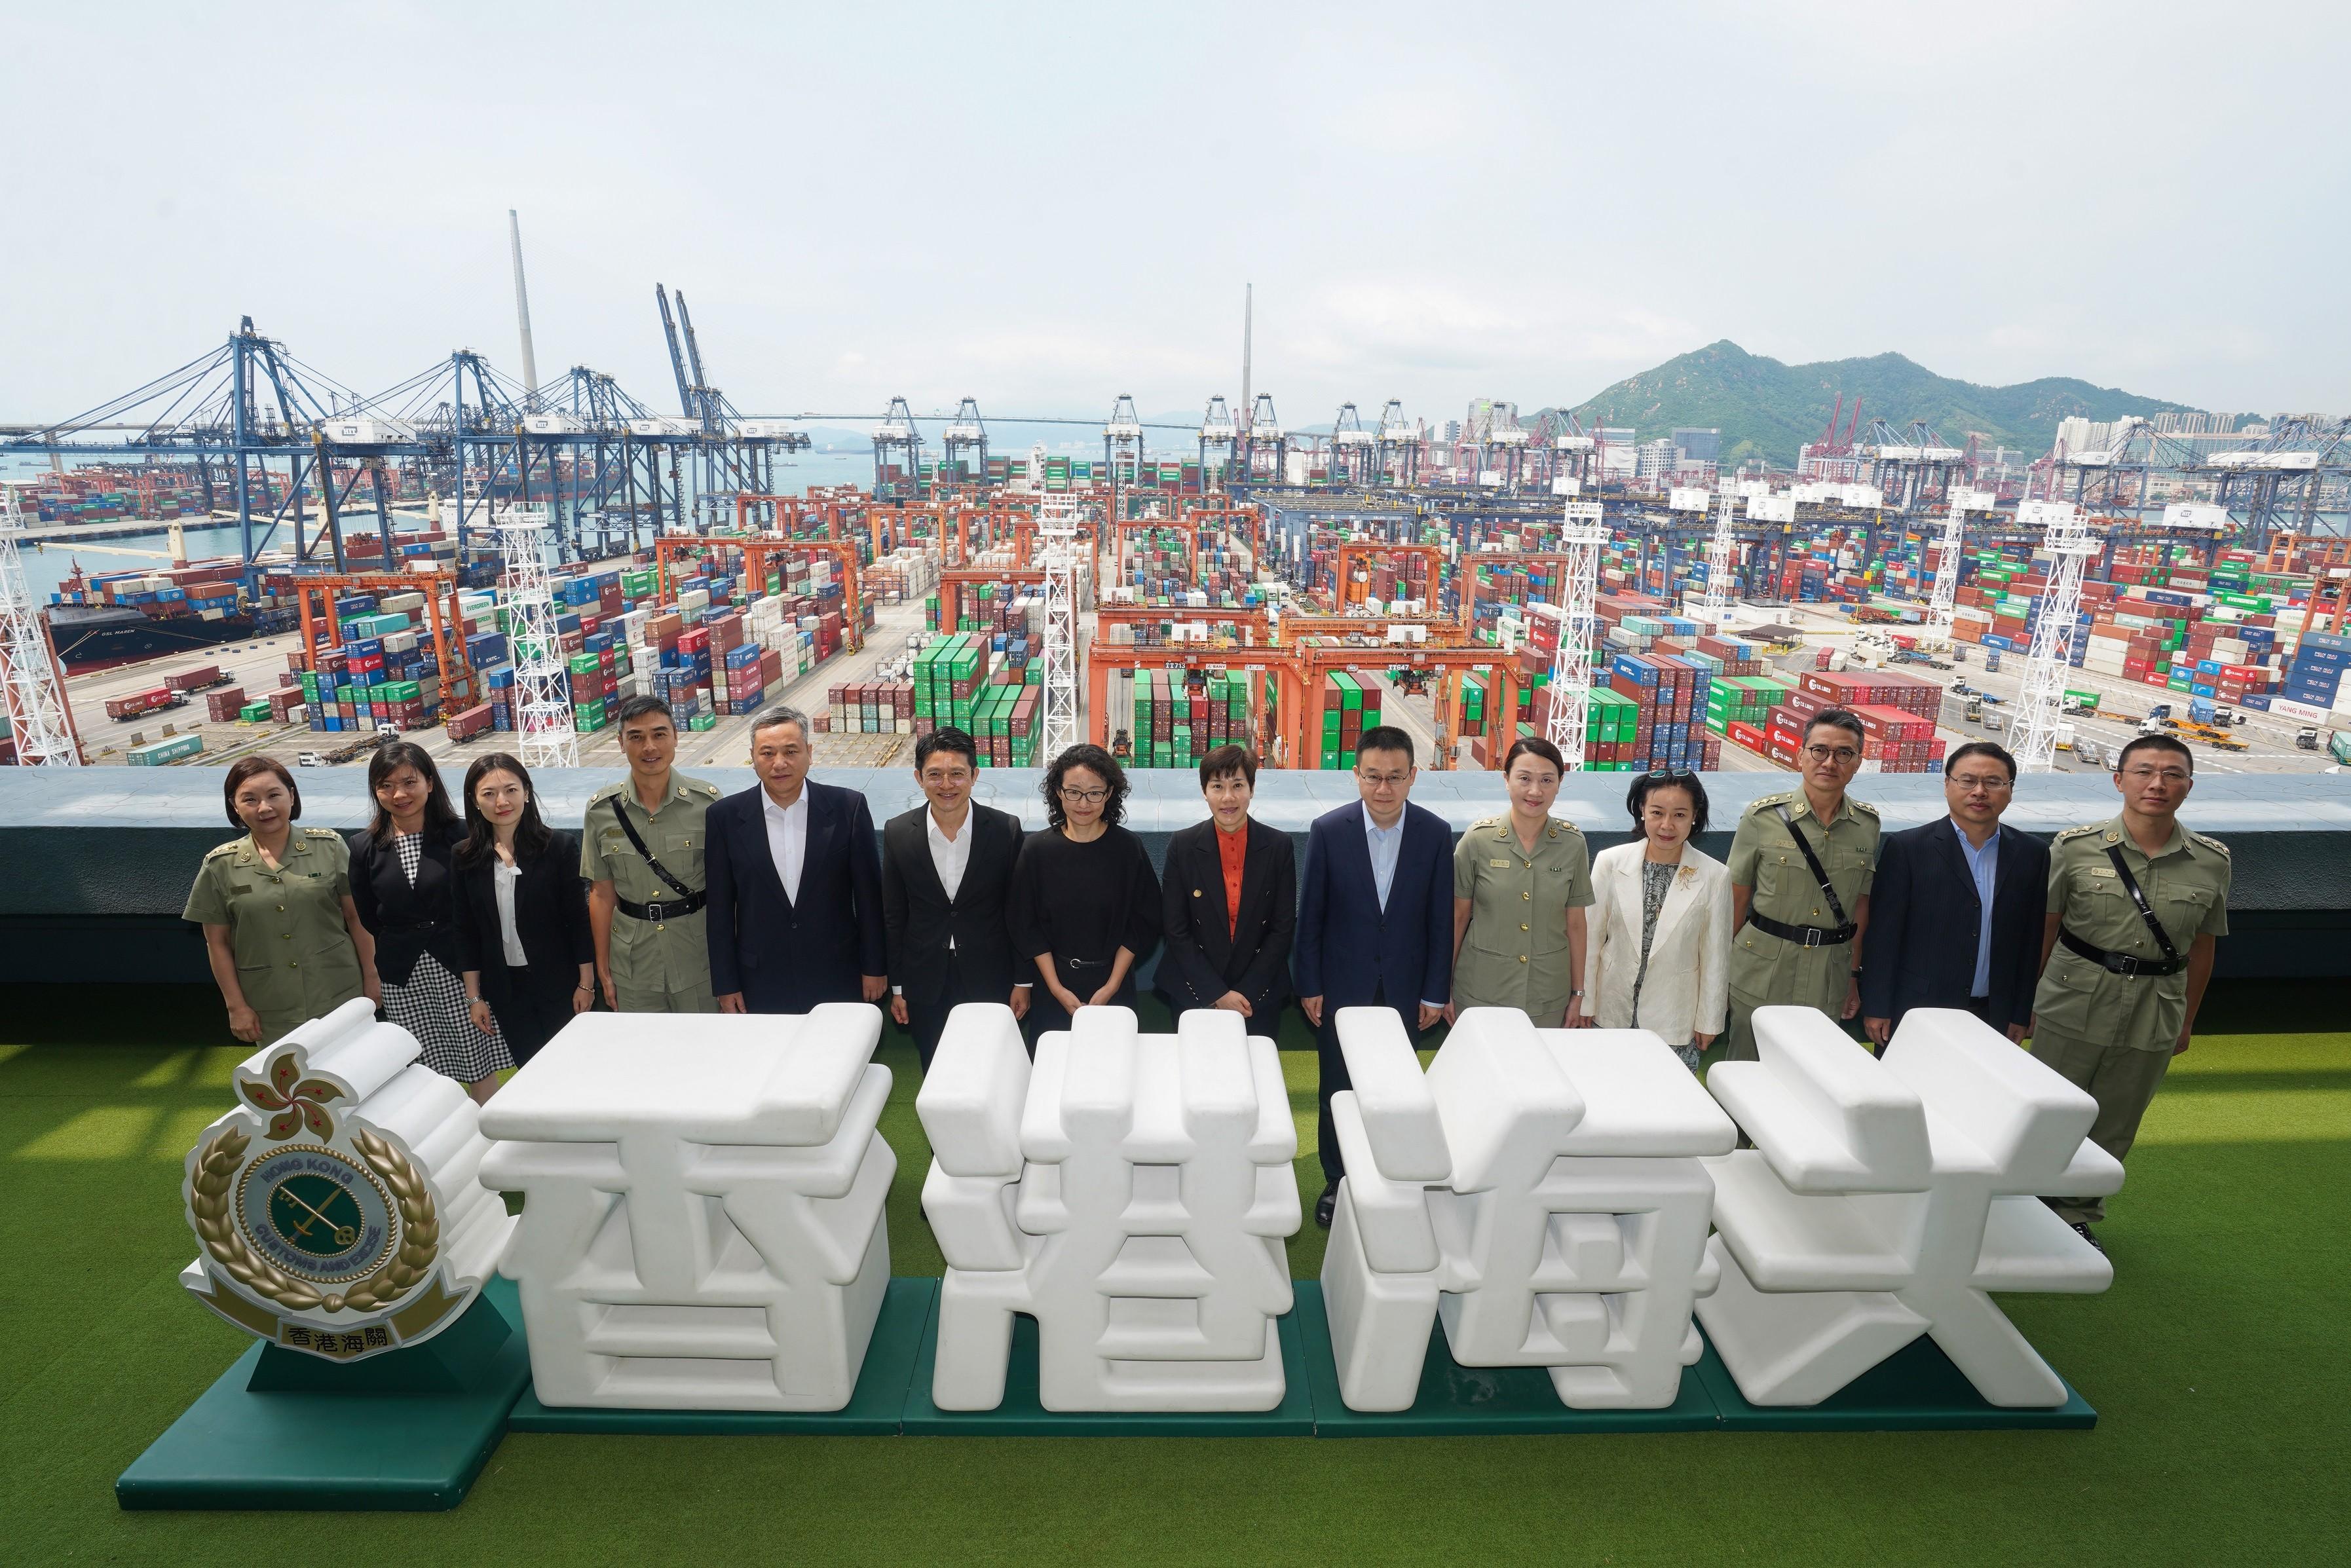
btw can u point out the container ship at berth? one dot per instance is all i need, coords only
(99, 620)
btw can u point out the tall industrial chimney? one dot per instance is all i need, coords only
(522, 310)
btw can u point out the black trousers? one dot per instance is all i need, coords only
(1331, 1070)
(534, 1008)
(928, 1020)
(1083, 977)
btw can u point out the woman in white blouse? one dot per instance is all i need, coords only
(1658, 956)
(522, 912)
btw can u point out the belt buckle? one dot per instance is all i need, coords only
(1812, 936)
(655, 911)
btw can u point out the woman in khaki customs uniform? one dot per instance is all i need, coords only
(281, 931)
(1521, 882)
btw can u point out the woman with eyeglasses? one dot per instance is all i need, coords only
(1521, 882)
(1802, 863)
(1085, 903)
(1659, 953)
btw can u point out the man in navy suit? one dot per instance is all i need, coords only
(1956, 912)
(1375, 919)
(795, 882)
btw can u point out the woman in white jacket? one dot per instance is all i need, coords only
(1658, 953)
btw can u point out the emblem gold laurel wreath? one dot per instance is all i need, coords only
(420, 1227)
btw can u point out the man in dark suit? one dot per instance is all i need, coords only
(795, 883)
(1228, 904)
(1956, 912)
(946, 868)
(1374, 920)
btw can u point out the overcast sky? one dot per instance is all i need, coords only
(1045, 208)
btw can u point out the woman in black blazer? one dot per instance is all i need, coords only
(522, 912)
(404, 887)
(1222, 951)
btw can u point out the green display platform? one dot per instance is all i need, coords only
(1916, 1389)
(1468, 1401)
(1020, 1414)
(280, 1429)
(873, 1411)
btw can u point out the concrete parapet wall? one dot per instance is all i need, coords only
(98, 862)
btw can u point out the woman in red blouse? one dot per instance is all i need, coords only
(1229, 903)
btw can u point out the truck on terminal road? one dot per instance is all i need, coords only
(142, 702)
(196, 680)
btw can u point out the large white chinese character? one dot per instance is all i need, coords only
(1540, 1190)
(703, 1221)
(1884, 1197)
(1130, 1192)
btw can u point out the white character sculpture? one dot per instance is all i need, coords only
(1540, 1190)
(702, 1220)
(1130, 1192)
(1884, 1197)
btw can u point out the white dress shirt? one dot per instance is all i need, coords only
(949, 856)
(787, 839)
(503, 878)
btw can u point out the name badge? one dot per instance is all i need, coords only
(2102, 871)
(1504, 865)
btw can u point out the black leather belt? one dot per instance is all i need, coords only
(661, 909)
(2121, 964)
(1802, 936)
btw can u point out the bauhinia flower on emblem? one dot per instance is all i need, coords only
(296, 1104)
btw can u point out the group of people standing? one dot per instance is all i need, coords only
(482, 936)
(470, 932)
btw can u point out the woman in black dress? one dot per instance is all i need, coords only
(522, 912)
(1084, 903)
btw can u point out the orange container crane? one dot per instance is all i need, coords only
(1299, 705)
(952, 584)
(320, 627)
(757, 552)
(1345, 558)
(1255, 627)
(1102, 658)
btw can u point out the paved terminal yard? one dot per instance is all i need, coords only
(260, 666)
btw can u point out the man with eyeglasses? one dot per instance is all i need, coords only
(1800, 867)
(2137, 905)
(1955, 913)
(1374, 920)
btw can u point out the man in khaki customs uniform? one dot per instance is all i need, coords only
(641, 850)
(1801, 865)
(2136, 904)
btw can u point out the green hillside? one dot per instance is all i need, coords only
(1767, 409)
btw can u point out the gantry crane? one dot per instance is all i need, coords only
(1263, 447)
(966, 433)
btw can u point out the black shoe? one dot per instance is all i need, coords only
(1326, 1206)
(2085, 1232)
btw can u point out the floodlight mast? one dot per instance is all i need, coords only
(1583, 532)
(1940, 606)
(547, 732)
(1057, 540)
(2040, 706)
(38, 718)
(1715, 609)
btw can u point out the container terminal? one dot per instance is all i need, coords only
(475, 565)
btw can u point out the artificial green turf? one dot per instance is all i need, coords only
(2216, 1363)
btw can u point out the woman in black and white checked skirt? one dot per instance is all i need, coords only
(405, 888)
